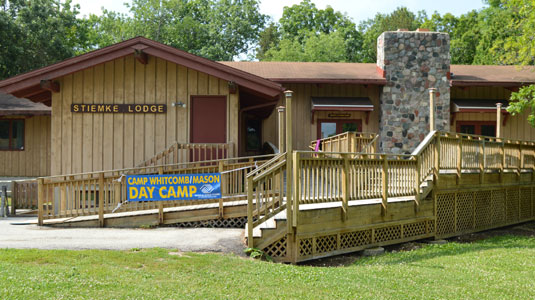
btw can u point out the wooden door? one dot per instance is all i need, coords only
(208, 124)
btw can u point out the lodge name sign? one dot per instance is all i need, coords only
(119, 108)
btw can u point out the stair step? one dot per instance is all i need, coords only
(269, 224)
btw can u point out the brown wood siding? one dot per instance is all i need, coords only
(34, 160)
(92, 142)
(516, 127)
(304, 130)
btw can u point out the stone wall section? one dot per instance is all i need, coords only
(412, 62)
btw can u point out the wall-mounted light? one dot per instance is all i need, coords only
(178, 104)
(232, 87)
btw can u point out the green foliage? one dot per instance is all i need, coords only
(306, 33)
(497, 268)
(215, 29)
(257, 254)
(401, 18)
(37, 33)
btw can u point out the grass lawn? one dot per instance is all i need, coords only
(497, 268)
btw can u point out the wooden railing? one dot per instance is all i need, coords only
(98, 193)
(321, 177)
(352, 142)
(183, 153)
(266, 185)
(24, 194)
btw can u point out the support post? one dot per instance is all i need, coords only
(291, 239)
(250, 243)
(481, 160)
(432, 92)
(417, 184)
(459, 158)
(160, 203)
(281, 110)
(498, 120)
(345, 189)
(384, 193)
(14, 197)
(223, 187)
(436, 168)
(3, 203)
(101, 200)
(502, 162)
(296, 187)
(40, 201)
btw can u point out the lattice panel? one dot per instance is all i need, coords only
(512, 205)
(445, 213)
(217, 223)
(465, 210)
(305, 247)
(525, 203)
(355, 239)
(277, 249)
(483, 209)
(414, 229)
(431, 226)
(498, 207)
(326, 243)
(387, 233)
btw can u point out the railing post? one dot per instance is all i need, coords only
(281, 109)
(101, 200)
(296, 187)
(250, 242)
(40, 196)
(15, 197)
(481, 160)
(459, 158)
(502, 163)
(417, 183)
(384, 193)
(160, 203)
(223, 188)
(436, 169)
(345, 184)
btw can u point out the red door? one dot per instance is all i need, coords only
(208, 124)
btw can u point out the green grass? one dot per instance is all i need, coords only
(497, 268)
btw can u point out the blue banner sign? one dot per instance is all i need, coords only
(173, 187)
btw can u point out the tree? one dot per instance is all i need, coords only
(519, 48)
(401, 18)
(214, 29)
(37, 33)
(306, 33)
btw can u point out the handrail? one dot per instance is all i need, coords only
(351, 141)
(369, 145)
(193, 151)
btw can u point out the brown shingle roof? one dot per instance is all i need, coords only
(317, 72)
(11, 105)
(311, 72)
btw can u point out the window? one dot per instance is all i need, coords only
(253, 136)
(477, 127)
(12, 134)
(330, 127)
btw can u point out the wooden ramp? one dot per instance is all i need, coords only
(153, 217)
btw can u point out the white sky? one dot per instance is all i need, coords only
(357, 9)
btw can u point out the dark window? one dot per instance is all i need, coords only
(254, 137)
(12, 134)
(485, 128)
(468, 129)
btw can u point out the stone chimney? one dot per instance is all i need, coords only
(412, 62)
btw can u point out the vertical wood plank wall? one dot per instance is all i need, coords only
(85, 142)
(516, 127)
(34, 160)
(304, 130)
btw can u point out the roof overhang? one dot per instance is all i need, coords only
(469, 83)
(13, 106)
(477, 105)
(341, 104)
(29, 85)
(331, 81)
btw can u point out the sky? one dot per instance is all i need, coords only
(358, 10)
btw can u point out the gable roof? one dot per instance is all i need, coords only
(11, 105)
(366, 73)
(28, 84)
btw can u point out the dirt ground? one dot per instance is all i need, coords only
(524, 229)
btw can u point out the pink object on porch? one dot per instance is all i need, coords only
(317, 148)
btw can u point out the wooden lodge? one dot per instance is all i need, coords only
(317, 159)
